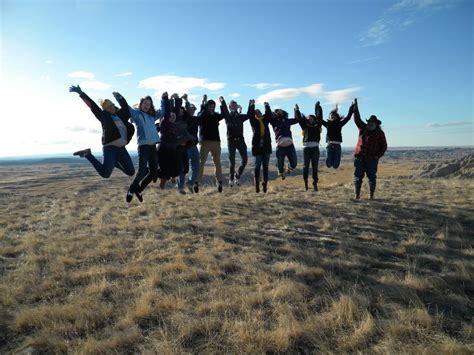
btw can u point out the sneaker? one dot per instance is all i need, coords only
(82, 153)
(264, 186)
(182, 192)
(281, 175)
(237, 176)
(139, 196)
(231, 183)
(190, 188)
(237, 181)
(196, 188)
(129, 196)
(219, 186)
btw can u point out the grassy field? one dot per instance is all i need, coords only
(81, 271)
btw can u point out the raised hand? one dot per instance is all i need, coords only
(297, 108)
(76, 89)
(221, 99)
(185, 97)
(117, 96)
(252, 102)
(204, 99)
(165, 94)
(174, 96)
(265, 104)
(318, 104)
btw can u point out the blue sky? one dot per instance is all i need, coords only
(409, 62)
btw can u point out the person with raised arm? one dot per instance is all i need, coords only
(209, 138)
(371, 146)
(285, 148)
(311, 127)
(192, 151)
(144, 119)
(261, 144)
(235, 138)
(333, 126)
(116, 134)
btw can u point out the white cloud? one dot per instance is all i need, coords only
(263, 86)
(234, 95)
(128, 73)
(48, 61)
(449, 124)
(83, 129)
(178, 84)
(313, 90)
(343, 95)
(81, 74)
(290, 93)
(95, 85)
(400, 16)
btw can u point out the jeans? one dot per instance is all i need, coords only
(113, 157)
(183, 164)
(239, 145)
(365, 167)
(214, 147)
(147, 167)
(311, 156)
(193, 156)
(333, 156)
(259, 160)
(282, 152)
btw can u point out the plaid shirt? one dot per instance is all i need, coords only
(371, 145)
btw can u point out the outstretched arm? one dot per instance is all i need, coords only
(348, 117)
(224, 108)
(123, 104)
(299, 117)
(318, 111)
(96, 110)
(250, 111)
(359, 123)
(268, 113)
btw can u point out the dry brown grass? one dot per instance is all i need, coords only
(287, 272)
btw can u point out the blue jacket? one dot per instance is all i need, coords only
(146, 131)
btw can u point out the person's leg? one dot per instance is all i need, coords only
(266, 162)
(143, 153)
(337, 156)
(315, 163)
(153, 167)
(371, 169)
(124, 162)
(280, 154)
(242, 147)
(203, 154)
(193, 154)
(232, 147)
(292, 157)
(183, 165)
(256, 172)
(306, 160)
(109, 160)
(216, 157)
(358, 176)
(329, 155)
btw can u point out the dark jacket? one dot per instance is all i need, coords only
(311, 133)
(168, 130)
(371, 144)
(235, 121)
(261, 145)
(110, 131)
(334, 128)
(209, 124)
(282, 127)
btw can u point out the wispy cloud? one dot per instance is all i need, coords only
(234, 95)
(81, 74)
(365, 60)
(95, 85)
(128, 73)
(83, 129)
(400, 16)
(449, 124)
(178, 84)
(264, 86)
(314, 90)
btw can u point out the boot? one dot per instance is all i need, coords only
(257, 185)
(306, 184)
(371, 195)
(264, 186)
(315, 186)
(82, 153)
(357, 192)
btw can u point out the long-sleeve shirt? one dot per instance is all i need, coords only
(311, 133)
(334, 128)
(371, 144)
(235, 121)
(145, 123)
(209, 124)
(282, 127)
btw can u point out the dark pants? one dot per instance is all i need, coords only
(147, 167)
(113, 157)
(168, 162)
(333, 155)
(290, 153)
(362, 167)
(259, 160)
(239, 145)
(183, 164)
(311, 156)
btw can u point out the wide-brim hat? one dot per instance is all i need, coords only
(374, 118)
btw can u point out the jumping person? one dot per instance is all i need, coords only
(371, 146)
(235, 138)
(144, 119)
(209, 138)
(261, 144)
(192, 151)
(311, 127)
(285, 148)
(333, 136)
(116, 134)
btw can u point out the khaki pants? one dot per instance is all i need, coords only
(214, 147)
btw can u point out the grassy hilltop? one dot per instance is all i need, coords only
(290, 271)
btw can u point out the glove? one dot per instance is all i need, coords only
(76, 89)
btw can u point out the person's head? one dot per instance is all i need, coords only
(373, 122)
(211, 106)
(108, 106)
(180, 112)
(334, 115)
(192, 110)
(312, 120)
(172, 117)
(258, 113)
(280, 114)
(146, 105)
(233, 106)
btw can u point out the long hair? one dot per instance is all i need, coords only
(152, 110)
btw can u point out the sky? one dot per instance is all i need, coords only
(410, 62)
